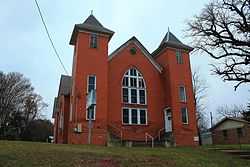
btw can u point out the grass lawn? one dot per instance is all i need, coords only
(27, 154)
(233, 146)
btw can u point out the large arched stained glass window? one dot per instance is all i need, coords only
(133, 87)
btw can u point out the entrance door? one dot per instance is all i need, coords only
(168, 120)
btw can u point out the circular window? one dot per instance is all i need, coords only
(133, 51)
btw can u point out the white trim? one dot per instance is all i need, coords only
(61, 120)
(94, 113)
(185, 95)
(168, 113)
(186, 110)
(135, 41)
(122, 116)
(91, 75)
(179, 56)
(137, 88)
(138, 116)
(90, 37)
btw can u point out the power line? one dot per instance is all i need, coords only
(50, 39)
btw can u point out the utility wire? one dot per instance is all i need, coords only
(50, 39)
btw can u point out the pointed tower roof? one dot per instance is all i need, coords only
(170, 40)
(170, 37)
(90, 24)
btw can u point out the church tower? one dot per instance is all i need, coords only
(174, 57)
(88, 108)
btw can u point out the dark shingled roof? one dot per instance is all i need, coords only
(170, 40)
(170, 37)
(65, 85)
(64, 90)
(55, 107)
(90, 24)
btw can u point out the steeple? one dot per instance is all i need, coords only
(170, 40)
(170, 37)
(91, 24)
(92, 21)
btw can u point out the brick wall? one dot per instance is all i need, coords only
(232, 136)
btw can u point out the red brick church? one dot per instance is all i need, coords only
(130, 95)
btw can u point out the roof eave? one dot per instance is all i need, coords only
(77, 29)
(171, 45)
(73, 36)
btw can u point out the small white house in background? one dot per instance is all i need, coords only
(231, 131)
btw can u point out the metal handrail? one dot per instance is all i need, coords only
(121, 134)
(159, 133)
(152, 139)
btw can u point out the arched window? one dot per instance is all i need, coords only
(133, 87)
(134, 92)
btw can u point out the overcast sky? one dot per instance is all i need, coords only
(25, 47)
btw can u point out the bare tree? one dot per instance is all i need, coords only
(222, 30)
(18, 103)
(200, 93)
(13, 88)
(246, 114)
(33, 106)
(234, 111)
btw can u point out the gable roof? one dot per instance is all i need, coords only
(229, 118)
(55, 107)
(143, 49)
(170, 40)
(65, 85)
(90, 24)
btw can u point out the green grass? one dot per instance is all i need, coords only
(28, 154)
(233, 146)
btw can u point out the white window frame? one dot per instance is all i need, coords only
(61, 120)
(91, 75)
(179, 56)
(137, 77)
(138, 116)
(90, 40)
(185, 94)
(94, 114)
(186, 112)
